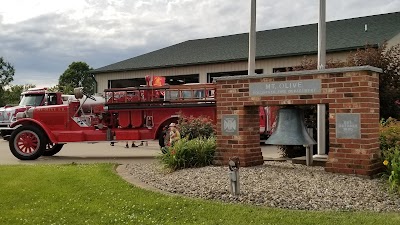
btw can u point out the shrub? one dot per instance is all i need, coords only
(194, 127)
(389, 133)
(392, 163)
(292, 151)
(187, 153)
(390, 148)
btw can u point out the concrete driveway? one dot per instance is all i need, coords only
(102, 153)
(88, 153)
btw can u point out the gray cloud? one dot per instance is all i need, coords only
(107, 31)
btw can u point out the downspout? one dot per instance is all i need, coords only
(95, 81)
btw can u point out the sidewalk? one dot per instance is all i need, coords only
(269, 152)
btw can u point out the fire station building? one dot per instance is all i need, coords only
(277, 50)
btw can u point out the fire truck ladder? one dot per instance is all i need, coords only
(188, 95)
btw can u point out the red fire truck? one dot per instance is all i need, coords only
(30, 98)
(123, 114)
(268, 116)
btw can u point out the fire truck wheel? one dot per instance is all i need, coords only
(27, 143)
(52, 149)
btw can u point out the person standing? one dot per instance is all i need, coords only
(174, 134)
(163, 136)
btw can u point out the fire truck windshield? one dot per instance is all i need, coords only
(31, 100)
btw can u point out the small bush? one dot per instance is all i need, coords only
(187, 153)
(194, 127)
(390, 147)
(392, 163)
(292, 151)
(389, 133)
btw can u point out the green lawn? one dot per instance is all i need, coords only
(94, 194)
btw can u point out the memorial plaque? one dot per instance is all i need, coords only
(295, 87)
(348, 125)
(230, 125)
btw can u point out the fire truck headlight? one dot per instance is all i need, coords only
(29, 113)
(20, 115)
(105, 108)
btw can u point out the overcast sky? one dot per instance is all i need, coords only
(40, 38)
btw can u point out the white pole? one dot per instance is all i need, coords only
(252, 38)
(322, 35)
(321, 108)
(321, 132)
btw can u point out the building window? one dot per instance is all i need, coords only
(182, 79)
(123, 83)
(137, 82)
(282, 69)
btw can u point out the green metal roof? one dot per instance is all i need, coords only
(341, 35)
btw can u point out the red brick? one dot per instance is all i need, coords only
(337, 95)
(335, 85)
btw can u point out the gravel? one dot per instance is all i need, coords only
(274, 184)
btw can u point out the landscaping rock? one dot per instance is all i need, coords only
(274, 184)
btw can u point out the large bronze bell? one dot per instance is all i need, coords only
(290, 129)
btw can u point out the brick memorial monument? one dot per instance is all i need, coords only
(352, 97)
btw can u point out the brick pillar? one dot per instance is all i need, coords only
(358, 156)
(246, 143)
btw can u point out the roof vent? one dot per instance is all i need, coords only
(365, 27)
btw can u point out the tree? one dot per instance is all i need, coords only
(64, 89)
(6, 76)
(77, 75)
(388, 59)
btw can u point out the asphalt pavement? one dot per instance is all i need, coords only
(102, 152)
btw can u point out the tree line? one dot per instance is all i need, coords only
(387, 58)
(76, 75)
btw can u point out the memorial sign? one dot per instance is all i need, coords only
(348, 125)
(297, 87)
(230, 125)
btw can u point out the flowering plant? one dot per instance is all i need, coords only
(390, 148)
(186, 153)
(194, 127)
(392, 163)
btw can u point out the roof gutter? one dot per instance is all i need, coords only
(233, 60)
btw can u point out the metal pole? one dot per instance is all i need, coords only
(252, 38)
(310, 131)
(309, 156)
(322, 35)
(321, 131)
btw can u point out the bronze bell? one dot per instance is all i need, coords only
(290, 129)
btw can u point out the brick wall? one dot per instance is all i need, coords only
(344, 90)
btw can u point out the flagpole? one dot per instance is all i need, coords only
(252, 38)
(321, 108)
(322, 35)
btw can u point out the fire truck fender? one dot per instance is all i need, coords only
(41, 126)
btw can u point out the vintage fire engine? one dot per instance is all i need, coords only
(30, 98)
(137, 113)
(123, 114)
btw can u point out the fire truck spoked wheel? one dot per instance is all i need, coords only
(27, 142)
(52, 149)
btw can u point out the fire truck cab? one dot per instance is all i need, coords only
(31, 98)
